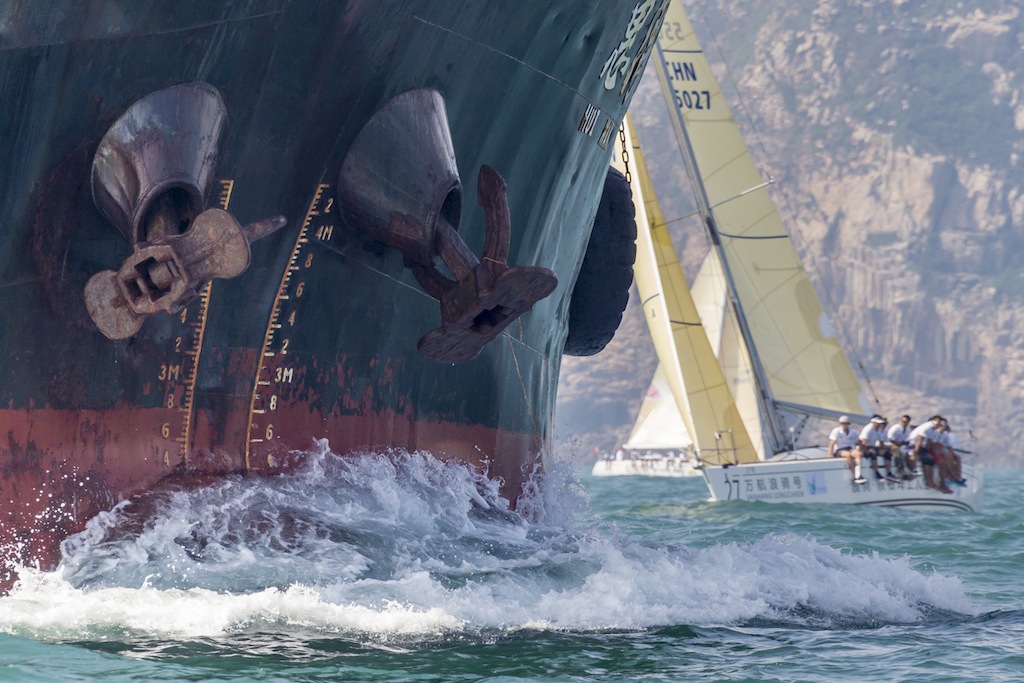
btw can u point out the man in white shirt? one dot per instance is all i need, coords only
(872, 445)
(898, 438)
(842, 443)
(929, 451)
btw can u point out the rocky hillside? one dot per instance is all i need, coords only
(895, 134)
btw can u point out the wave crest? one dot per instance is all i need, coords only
(405, 544)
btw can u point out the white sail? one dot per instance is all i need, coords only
(659, 425)
(702, 397)
(800, 361)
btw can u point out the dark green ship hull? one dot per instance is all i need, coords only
(317, 338)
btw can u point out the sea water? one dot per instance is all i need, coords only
(400, 568)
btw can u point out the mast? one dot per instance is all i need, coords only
(702, 396)
(790, 360)
(776, 429)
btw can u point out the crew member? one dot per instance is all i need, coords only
(928, 450)
(842, 444)
(898, 437)
(871, 445)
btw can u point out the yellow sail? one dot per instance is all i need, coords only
(702, 397)
(802, 361)
(711, 297)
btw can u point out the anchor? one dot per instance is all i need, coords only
(487, 294)
(150, 177)
(164, 275)
(400, 185)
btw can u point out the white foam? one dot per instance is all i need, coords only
(407, 545)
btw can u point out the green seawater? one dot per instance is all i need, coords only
(416, 571)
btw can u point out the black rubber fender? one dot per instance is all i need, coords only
(602, 288)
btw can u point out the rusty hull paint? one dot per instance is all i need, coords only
(55, 478)
(62, 467)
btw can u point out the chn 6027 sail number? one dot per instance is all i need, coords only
(693, 99)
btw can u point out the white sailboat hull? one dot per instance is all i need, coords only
(648, 466)
(809, 476)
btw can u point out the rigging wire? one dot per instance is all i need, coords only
(835, 319)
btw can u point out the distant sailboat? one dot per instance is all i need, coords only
(658, 445)
(770, 342)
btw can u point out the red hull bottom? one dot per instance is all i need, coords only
(62, 468)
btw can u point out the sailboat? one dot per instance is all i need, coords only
(658, 445)
(771, 346)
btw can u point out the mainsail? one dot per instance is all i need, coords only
(799, 365)
(702, 397)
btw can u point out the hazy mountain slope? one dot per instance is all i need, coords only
(895, 133)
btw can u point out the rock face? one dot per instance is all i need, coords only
(895, 134)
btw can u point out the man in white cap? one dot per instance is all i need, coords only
(872, 445)
(841, 444)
